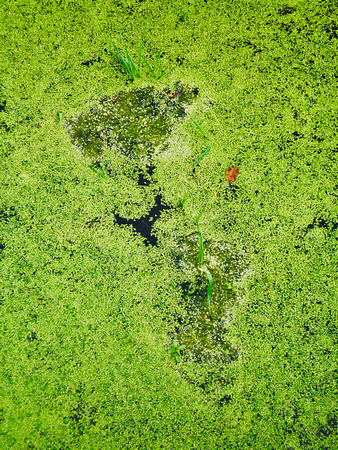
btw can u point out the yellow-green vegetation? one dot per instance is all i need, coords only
(107, 341)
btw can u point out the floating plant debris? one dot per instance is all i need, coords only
(232, 173)
(137, 122)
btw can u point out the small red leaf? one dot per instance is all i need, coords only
(172, 94)
(115, 98)
(232, 173)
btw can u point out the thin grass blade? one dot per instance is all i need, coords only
(198, 218)
(201, 157)
(200, 238)
(211, 282)
(123, 60)
(184, 198)
(182, 18)
(125, 65)
(99, 171)
(132, 66)
(197, 125)
(149, 67)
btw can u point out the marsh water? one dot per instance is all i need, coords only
(138, 123)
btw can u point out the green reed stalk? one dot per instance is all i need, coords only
(182, 18)
(197, 125)
(211, 282)
(201, 157)
(200, 237)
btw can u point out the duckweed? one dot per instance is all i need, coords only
(138, 122)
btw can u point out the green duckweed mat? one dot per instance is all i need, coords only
(118, 123)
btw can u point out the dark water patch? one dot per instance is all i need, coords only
(3, 105)
(286, 10)
(145, 224)
(7, 213)
(91, 62)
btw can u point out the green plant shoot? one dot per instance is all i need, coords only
(197, 125)
(211, 281)
(99, 171)
(198, 218)
(153, 71)
(200, 237)
(176, 350)
(130, 66)
(182, 18)
(201, 157)
(128, 63)
(184, 198)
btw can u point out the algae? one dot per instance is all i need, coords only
(138, 122)
(205, 336)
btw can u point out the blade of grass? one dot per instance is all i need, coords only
(161, 75)
(99, 171)
(132, 66)
(198, 218)
(211, 282)
(182, 18)
(184, 198)
(153, 71)
(200, 238)
(149, 67)
(124, 61)
(197, 125)
(201, 157)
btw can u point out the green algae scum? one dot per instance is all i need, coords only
(168, 225)
(138, 122)
(205, 336)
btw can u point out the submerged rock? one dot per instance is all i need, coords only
(137, 121)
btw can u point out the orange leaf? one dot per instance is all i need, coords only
(232, 173)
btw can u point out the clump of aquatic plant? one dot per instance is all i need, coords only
(137, 121)
(131, 68)
(203, 268)
(176, 350)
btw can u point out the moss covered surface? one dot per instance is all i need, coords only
(88, 308)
